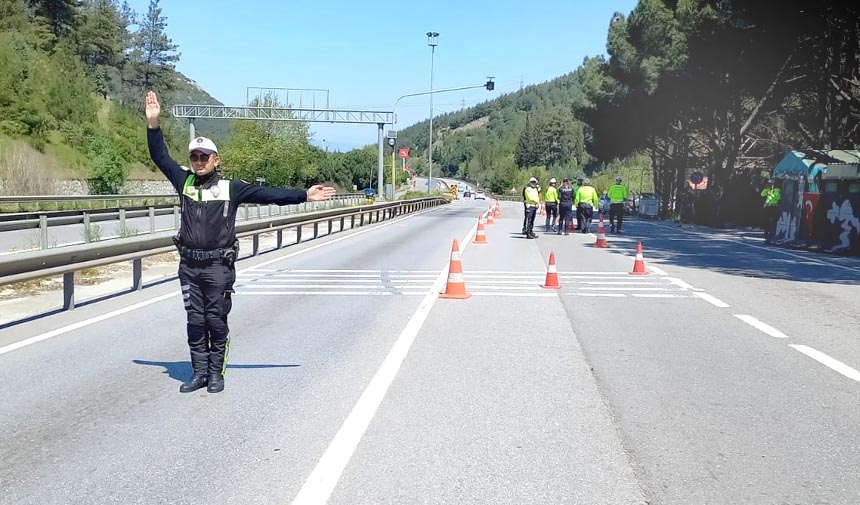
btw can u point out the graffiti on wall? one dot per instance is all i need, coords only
(837, 223)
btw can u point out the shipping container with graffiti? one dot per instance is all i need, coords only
(820, 206)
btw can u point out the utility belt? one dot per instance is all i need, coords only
(586, 205)
(228, 256)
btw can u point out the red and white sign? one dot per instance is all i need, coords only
(408, 168)
(403, 152)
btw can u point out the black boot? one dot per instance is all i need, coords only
(216, 383)
(196, 382)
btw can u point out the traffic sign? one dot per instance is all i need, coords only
(403, 152)
(696, 177)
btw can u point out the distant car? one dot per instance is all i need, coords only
(467, 194)
(369, 192)
(479, 195)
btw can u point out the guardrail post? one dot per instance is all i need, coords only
(152, 220)
(87, 234)
(137, 274)
(330, 226)
(316, 229)
(121, 218)
(361, 219)
(299, 234)
(43, 231)
(342, 222)
(279, 237)
(255, 241)
(258, 211)
(68, 291)
(176, 218)
(352, 221)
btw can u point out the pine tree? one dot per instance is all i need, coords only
(153, 53)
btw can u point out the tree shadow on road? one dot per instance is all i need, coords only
(181, 370)
(732, 252)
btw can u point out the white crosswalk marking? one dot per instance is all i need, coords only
(272, 282)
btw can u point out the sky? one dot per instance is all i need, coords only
(367, 54)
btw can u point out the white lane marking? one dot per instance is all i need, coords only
(323, 288)
(607, 295)
(534, 272)
(324, 477)
(334, 278)
(713, 300)
(678, 282)
(542, 294)
(433, 274)
(328, 283)
(832, 363)
(656, 270)
(619, 283)
(96, 319)
(330, 293)
(653, 295)
(480, 285)
(763, 327)
(513, 283)
(622, 289)
(85, 322)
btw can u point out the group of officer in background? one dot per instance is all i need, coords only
(560, 203)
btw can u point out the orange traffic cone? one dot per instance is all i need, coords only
(481, 236)
(601, 234)
(498, 211)
(639, 264)
(456, 287)
(490, 219)
(570, 226)
(551, 274)
(543, 210)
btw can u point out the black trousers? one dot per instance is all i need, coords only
(578, 218)
(585, 213)
(616, 210)
(530, 220)
(771, 216)
(525, 217)
(207, 288)
(551, 214)
(565, 215)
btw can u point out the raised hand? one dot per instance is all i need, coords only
(153, 109)
(319, 192)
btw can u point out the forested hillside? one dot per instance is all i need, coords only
(72, 74)
(722, 87)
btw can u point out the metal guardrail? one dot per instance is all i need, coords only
(42, 220)
(68, 260)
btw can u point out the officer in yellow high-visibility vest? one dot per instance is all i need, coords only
(772, 196)
(532, 202)
(551, 199)
(586, 200)
(617, 195)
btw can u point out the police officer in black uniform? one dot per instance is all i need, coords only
(207, 244)
(566, 195)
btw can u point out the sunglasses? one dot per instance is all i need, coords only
(199, 157)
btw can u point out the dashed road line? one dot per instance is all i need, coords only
(829, 362)
(713, 300)
(763, 327)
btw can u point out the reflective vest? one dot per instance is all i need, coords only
(587, 194)
(617, 193)
(532, 196)
(551, 195)
(772, 197)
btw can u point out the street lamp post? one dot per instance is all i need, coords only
(431, 41)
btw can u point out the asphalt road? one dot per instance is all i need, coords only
(728, 374)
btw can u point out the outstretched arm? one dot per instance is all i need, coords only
(157, 148)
